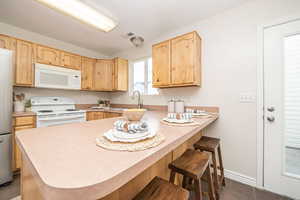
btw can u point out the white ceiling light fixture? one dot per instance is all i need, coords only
(137, 41)
(82, 12)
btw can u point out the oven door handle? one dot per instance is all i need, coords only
(60, 118)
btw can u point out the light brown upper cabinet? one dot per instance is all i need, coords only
(47, 55)
(120, 74)
(71, 61)
(24, 72)
(161, 58)
(7, 42)
(87, 73)
(177, 62)
(103, 79)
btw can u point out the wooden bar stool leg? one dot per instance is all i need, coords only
(172, 176)
(211, 185)
(191, 181)
(221, 166)
(198, 190)
(215, 171)
(185, 182)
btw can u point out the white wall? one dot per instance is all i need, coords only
(79, 96)
(229, 68)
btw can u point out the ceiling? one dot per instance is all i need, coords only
(148, 18)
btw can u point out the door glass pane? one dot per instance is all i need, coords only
(292, 105)
(139, 76)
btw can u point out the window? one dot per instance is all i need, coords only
(142, 77)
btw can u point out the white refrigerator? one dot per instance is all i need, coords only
(6, 100)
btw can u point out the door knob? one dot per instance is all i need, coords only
(271, 109)
(1, 140)
(271, 119)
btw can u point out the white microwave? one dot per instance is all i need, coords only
(48, 76)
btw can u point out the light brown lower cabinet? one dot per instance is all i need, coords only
(20, 123)
(112, 115)
(96, 115)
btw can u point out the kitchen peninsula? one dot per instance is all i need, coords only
(70, 165)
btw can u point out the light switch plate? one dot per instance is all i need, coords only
(247, 98)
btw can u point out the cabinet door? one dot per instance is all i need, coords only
(5, 42)
(95, 115)
(71, 61)
(90, 116)
(161, 64)
(104, 75)
(49, 56)
(98, 115)
(121, 74)
(87, 73)
(16, 151)
(24, 64)
(183, 59)
(111, 115)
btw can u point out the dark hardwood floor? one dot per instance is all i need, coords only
(232, 191)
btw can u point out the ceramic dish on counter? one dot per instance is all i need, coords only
(114, 135)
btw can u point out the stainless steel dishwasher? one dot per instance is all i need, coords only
(5, 158)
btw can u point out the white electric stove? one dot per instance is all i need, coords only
(52, 111)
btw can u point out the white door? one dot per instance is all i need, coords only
(282, 109)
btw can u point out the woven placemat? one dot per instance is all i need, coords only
(203, 116)
(126, 146)
(177, 124)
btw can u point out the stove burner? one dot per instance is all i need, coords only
(45, 111)
(71, 110)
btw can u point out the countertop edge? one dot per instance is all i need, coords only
(115, 183)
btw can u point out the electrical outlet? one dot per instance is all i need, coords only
(247, 98)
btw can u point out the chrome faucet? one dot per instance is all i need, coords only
(138, 93)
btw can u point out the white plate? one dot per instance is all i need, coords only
(178, 121)
(126, 135)
(110, 136)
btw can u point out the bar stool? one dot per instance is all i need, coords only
(213, 146)
(193, 165)
(159, 189)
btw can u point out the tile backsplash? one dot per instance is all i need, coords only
(80, 97)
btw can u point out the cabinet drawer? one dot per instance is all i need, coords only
(22, 121)
(19, 128)
(17, 156)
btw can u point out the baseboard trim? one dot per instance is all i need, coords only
(240, 178)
